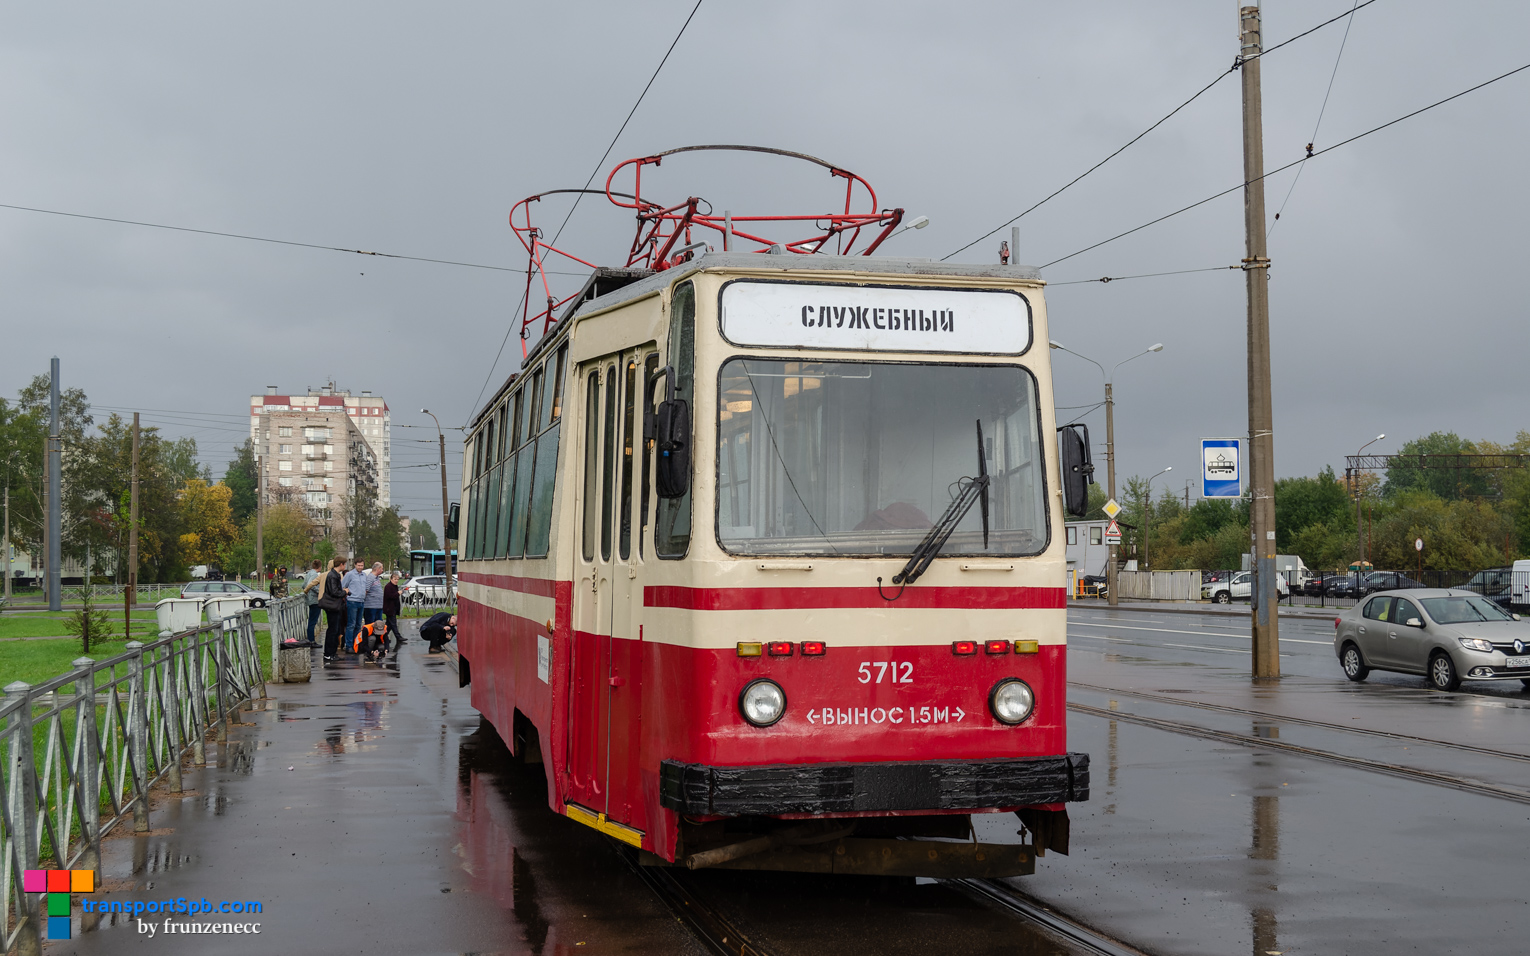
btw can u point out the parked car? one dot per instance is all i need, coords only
(1492, 583)
(1387, 581)
(426, 587)
(206, 589)
(1446, 635)
(1236, 588)
(1317, 584)
(206, 572)
(1342, 586)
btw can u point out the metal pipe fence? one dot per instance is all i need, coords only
(83, 750)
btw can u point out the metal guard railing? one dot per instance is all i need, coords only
(82, 750)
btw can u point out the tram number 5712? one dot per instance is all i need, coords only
(897, 672)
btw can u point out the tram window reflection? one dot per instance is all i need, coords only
(591, 464)
(629, 408)
(859, 458)
(650, 366)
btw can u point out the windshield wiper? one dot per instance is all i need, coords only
(970, 491)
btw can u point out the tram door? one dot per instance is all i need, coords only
(606, 660)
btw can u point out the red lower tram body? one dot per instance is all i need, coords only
(644, 737)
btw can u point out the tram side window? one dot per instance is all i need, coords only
(629, 409)
(492, 452)
(515, 488)
(539, 523)
(557, 387)
(649, 368)
(608, 465)
(672, 530)
(591, 465)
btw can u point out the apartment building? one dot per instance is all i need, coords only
(319, 448)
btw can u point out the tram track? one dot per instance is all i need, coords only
(1267, 743)
(1302, 721)
(711, 928)
(1010, 900)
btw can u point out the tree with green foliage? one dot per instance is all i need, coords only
(23, 434)
(1301, 503)
(423, 536)
(89, 623)
(1435, 477)
(97, 480)
(241, 480)
(373, 533)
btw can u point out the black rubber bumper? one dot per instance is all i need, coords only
(698, 789)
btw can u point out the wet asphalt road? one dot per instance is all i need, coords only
(404, 828)
(1192, 845)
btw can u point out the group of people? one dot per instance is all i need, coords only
(363, 610)
(357, 605)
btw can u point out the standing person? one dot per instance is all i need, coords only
(439, 629)
(372, 605)
(333, 602)
(391, 607)
(355, 584)
(313, 589)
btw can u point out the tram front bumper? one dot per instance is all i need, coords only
(902, 786)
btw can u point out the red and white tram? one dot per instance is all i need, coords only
(763, 554)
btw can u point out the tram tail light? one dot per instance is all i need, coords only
(750, 648)
(963, 648)
(1027, 647)
(996, 647)
(780, 648)
(812, 648)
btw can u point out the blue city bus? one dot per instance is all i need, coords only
(429, 562)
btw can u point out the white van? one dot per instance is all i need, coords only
(1519, 584)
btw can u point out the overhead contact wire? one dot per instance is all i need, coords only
(1326, 149)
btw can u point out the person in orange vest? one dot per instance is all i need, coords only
(372, 640)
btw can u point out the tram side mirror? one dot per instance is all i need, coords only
(1077, 468)
(672, 444)
(451, 522)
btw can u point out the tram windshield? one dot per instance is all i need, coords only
(861, 458)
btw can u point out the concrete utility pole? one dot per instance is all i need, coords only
(260, 520)
(130, 593)
(446, 545)
(1111, 591)
(1261, 438)
(55, 520)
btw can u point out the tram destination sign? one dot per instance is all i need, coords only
(875, 318)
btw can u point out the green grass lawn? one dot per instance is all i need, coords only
(37, 661)
(51, 624)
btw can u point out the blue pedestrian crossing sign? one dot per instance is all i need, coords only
(1222, 472)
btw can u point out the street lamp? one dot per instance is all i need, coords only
(1354, 477)
(1110, 440)
(919, 223)
(1147, 526)
(446, 546)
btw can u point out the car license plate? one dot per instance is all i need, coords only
(1517, 662)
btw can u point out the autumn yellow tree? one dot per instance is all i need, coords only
(207, 521)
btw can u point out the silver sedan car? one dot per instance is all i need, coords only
(1447, 636)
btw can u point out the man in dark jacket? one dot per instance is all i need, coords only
(439, 629)
(333, 603)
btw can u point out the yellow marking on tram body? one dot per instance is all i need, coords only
(598, 821)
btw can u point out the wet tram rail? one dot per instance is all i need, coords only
(743, 913)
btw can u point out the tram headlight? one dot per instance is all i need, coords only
(762, 702)
(1011, 700)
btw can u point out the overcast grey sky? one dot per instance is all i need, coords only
(413, 128)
